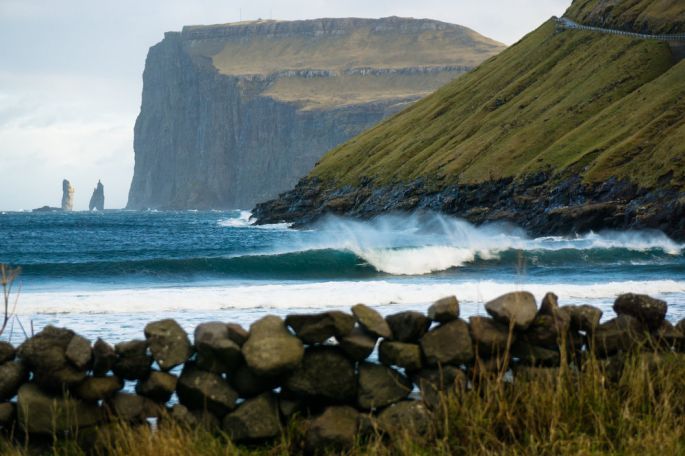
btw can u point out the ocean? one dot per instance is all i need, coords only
(107, 274)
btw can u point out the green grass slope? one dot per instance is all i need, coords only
(566, 103)
(655, 16)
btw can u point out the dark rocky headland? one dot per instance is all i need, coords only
(564, 132)
(315, 368)
(538, 204)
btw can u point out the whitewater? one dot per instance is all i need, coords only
(106, 274)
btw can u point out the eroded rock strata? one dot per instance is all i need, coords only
(234, 114)
(535, 204)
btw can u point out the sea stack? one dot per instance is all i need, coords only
(97, 201)
(67, 195)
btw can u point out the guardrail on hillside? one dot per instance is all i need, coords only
(566, 23)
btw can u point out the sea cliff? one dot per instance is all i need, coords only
(234, 114)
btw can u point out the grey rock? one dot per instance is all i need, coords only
(490, 337)
(647, 310)
(97, 199)
(400, 354)
(380, 386)
(192, 419)
(358, 345)
(79, 352)
(371, 321)
(133, 362)
(94, 389)
(237, 333)
(583, 318)
(408, 326)
(254, 420)
(200, 390)
(324, 376)
(104, 357)
(547, 330)
(444, 310)
(248, 384)
(40, 413)
(435, 382)
(168, 342)
(620, 334)
(12, 375)
(207, 334)
(334, 430)
(549, 305)
(289, 406)
(127, 407)
(216, 351)
(7, 352)
(317, 328)
(68, 191)
(449, 343)
(45, 355)
(533, 355)
(517, 309)
(271, 350)
(406, 417)
(8, 413)
(158, 387)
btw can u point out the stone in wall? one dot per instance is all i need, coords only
(63, 385)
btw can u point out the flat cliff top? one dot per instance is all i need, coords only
(566, 103)
(336, 44)
(332, 62)
(643, 16)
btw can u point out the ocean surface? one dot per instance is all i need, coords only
(108, 274)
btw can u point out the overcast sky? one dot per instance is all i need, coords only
(71, 76)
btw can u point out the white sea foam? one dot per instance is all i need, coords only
(425, 243)
(326, 295)
(243, 220)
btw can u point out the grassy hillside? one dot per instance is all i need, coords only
(656, 16)
(561, 102)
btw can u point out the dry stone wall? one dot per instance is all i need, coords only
(249, 384)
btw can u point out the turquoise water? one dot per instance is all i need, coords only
(106, 274)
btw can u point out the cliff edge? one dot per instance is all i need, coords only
(233, 114)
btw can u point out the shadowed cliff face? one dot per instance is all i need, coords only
(234, 114)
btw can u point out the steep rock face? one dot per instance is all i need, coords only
(97, 200)
(234, 114)
(553, 134)
(67, 195)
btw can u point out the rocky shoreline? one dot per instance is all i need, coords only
(539, 204)
(250, 384)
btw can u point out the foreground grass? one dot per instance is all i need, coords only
(550, 411)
